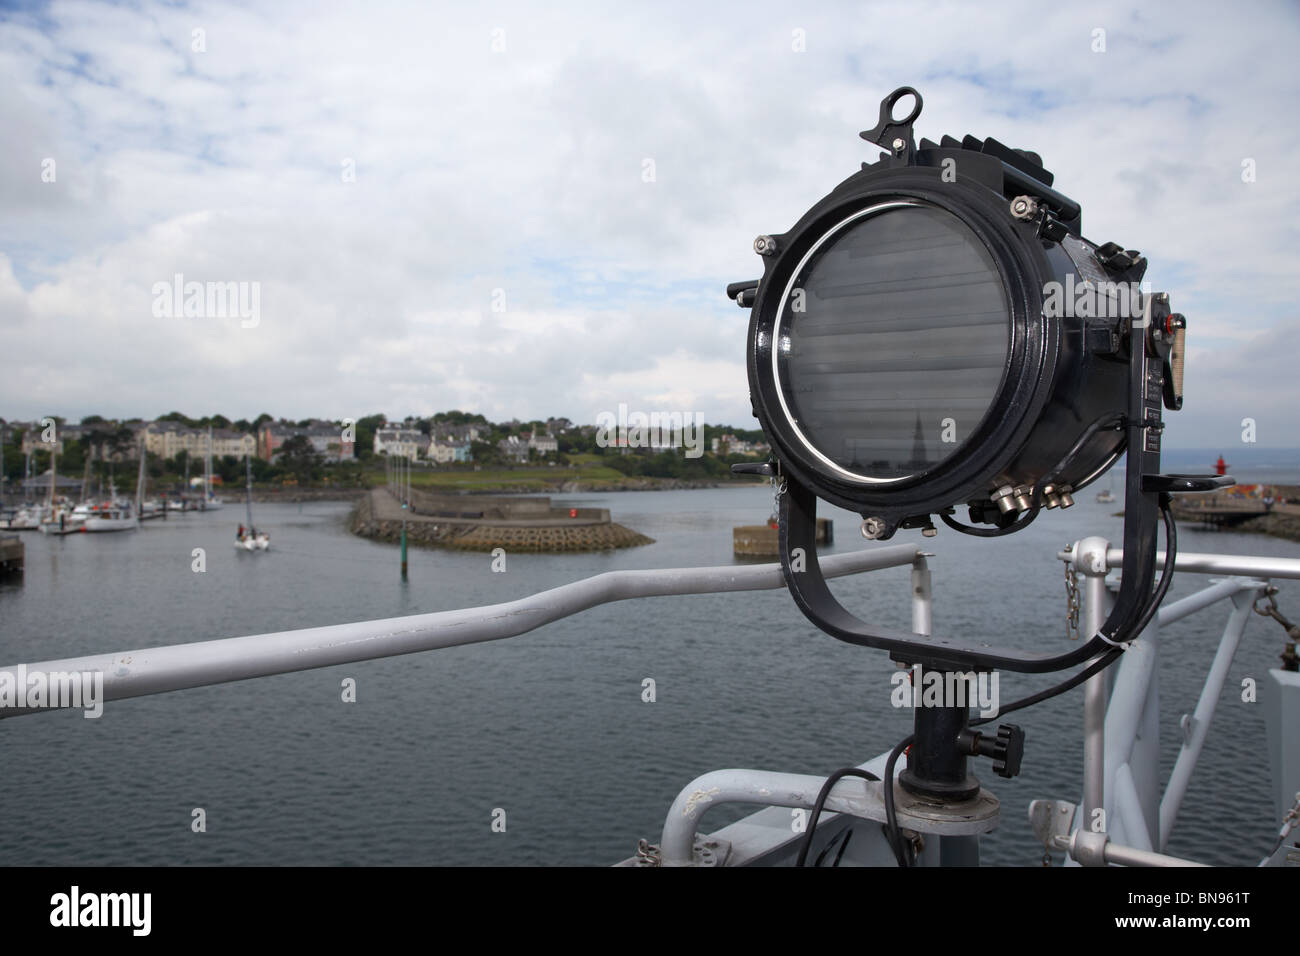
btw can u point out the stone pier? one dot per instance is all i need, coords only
(481, 523)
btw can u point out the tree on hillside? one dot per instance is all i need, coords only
(300, 459)
(457, 417)
(231, 470)
(365, 435)
(486, 453)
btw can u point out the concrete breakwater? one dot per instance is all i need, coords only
(764, 540)
(480, 523)
(1267, 509)
(1278, 525)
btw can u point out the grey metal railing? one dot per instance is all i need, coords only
(1121, 711)
(1118, 719)
(1123, 816)
(157, 670)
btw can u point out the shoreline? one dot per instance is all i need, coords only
(263, 496)
(297, 495)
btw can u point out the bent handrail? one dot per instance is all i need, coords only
(158, 670)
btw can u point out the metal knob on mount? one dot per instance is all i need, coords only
(1006, 749)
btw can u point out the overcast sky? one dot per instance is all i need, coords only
(382, 170)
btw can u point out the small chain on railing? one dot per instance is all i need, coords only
(1290, 660)
(1071, 602)
(778, 489)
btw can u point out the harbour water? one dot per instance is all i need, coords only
(550, 727)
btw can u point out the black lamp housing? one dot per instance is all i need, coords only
(1056, 381)
(937, 333)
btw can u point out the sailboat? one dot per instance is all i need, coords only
(146, 510)
(178, 502)
(58, 518)
(115, 515)
(1106, 496)
(248, 538)
(210, 501)
(30, 515)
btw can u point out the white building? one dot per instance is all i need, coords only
(168, 439)
(408, 443)
(543, 444)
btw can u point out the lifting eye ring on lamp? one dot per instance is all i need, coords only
(937, 334)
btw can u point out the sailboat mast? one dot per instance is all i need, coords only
(248, 495)
(54, 472)
(139, 484)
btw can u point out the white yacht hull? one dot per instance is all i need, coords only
(23, 521)
(97, 524)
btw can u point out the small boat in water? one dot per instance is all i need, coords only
(248, 538)
(110, 517)
(58, 516)
(23, 519)
(114, 515)
(62, 520)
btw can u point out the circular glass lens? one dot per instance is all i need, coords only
(892, 341)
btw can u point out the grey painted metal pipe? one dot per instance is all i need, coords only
(922, 597)
(1089, 558)
(1096, 849)
(1205, 597)
(764, 787)
(1191, 562)
(1199, 728)
(1128, 701)
(157, 670)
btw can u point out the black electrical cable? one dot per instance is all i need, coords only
(842, 838)
(833, 779)
(1022, 522)
(1109, 657)
(1100, 664)
(892, 832)
(1109, 419)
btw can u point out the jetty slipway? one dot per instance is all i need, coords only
(1120, 726)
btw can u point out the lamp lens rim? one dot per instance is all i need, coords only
(782, 322)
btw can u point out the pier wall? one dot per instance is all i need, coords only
(481, 524)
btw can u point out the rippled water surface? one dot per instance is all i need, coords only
(549, 727)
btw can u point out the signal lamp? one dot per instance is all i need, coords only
(936, 336)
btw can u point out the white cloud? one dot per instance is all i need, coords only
(522, 170)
